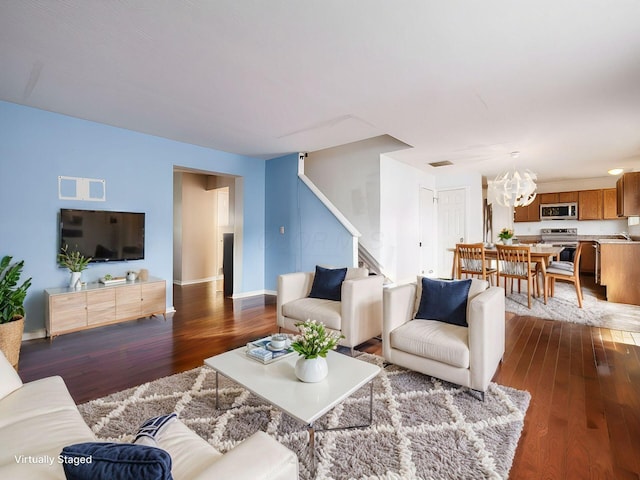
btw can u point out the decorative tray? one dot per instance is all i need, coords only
(261, 351)
(113, 280)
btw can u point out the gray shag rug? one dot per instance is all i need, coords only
(564, 306)
(422, 427)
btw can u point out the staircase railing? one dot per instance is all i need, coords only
(363, 256)
(331, 207)
(366, 259)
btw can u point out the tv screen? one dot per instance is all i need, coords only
(102, 235)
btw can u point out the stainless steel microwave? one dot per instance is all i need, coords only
(559, 211)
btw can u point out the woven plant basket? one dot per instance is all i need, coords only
(11, 340)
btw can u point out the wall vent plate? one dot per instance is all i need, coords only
(77, 188)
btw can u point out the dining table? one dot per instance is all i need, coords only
(541, 254)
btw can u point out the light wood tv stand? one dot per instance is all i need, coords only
(94, 305)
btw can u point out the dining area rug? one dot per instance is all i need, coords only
(422, 427)
(563, 306)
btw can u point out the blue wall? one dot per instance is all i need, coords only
(37, 146)
(312, 234)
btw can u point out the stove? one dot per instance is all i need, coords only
(561, 237)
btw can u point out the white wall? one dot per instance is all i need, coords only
(349, 175)
(400, 218)
(502, 218)
(575, 185)
(585, 227)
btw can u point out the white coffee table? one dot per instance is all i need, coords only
(278, 385)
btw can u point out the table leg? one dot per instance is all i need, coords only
(454, 267)
(312, 431)
(312, 446)
(217, 396)
(543, 269)
(370, 403)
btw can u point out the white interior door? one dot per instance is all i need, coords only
(428, 263)
(452, 207)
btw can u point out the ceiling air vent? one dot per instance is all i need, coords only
(444, 163)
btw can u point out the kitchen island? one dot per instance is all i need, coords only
(618, 267)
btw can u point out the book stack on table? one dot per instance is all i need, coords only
(259, 350)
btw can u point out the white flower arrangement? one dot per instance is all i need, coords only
(314, 340)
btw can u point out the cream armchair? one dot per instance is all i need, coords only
(358, 316)
(466, 356)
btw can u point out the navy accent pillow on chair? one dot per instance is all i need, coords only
(327, 283)
(115, 461)
(444, 300)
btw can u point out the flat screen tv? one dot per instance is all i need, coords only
(104, 236)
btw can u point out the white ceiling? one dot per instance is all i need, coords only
(465, 81)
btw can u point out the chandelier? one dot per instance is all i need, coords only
(514, 188)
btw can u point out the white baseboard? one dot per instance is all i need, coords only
(255, 293)
(41, 333)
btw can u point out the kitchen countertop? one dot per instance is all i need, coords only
(581, 238)
(617, 240)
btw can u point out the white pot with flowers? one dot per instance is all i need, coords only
(506, 235)
(312, 345)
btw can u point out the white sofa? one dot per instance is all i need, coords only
(358, 316)
(39, 418)
(467, 356)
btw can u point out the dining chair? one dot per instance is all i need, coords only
(514, 263)
(564, 271)
(472, 261)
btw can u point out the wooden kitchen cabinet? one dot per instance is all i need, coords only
(547, 198)
(588, 258)
(68, 310)
(590, 205)
(566, 197)
(628, 195)
(619, 266)
(560, 197)
(530, 213)
(609, 204)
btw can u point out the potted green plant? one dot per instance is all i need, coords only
(12, 298)
(506, 235)
(75, 262)
(313, 344)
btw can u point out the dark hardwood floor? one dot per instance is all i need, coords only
(583, 420)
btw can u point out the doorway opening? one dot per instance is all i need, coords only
(206, 229)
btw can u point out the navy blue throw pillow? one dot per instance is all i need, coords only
(327, 283)
(152, 427)
(444, 300)
(115, 461)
